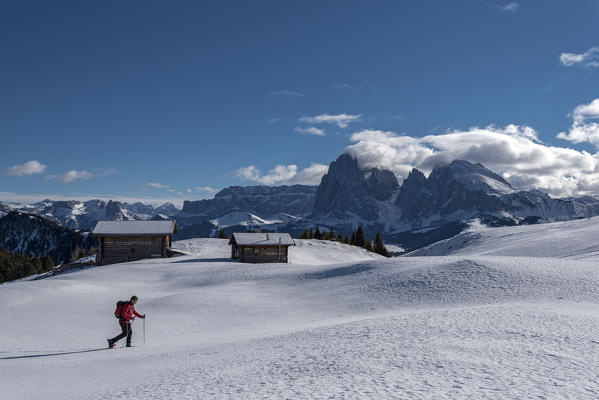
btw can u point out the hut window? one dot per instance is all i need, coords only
(256, 251)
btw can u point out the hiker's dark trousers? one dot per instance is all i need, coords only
(126, 327)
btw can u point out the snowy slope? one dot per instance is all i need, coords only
(571, 239)
(241, 219)
(335, 323)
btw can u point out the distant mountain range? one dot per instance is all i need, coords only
(83, 215)
(418, 212)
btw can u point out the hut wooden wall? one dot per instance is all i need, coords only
(116, 249)
(264, 254)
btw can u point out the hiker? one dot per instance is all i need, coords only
(125, 312)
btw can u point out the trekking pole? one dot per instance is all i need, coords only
(145, 331)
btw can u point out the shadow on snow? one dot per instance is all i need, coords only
(52, 354)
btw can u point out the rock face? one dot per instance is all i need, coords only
(347, 192)
(382, 183)
(265, 201)
(462, 190)
(4, 209)
(116, 212)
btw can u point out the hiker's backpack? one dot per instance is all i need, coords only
(120, 306)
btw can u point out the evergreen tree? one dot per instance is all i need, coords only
(304, 235)
(15, 266)
(37, 265)
(346, 240)
(47, 263)
(75, 254)
(379, 246)
(222, 234)
(340, 238)
(325, 235)
(317, 233)
(310, 234)
(332, 233)
(360, 240)
(352, 241)
(368, 245)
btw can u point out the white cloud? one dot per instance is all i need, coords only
(590, 110)
(584, 130)
(74, 175)
(287, 93)
(513, 151)
(341, 120)
(590, 58)
(310, 131)
(510, 7)
(157, 185)
(284, 174)
(28, 168)
(206, 189)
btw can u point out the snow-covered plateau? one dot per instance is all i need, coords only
(494, 313)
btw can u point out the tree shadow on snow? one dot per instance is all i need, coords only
(336, 272)
(52, 354)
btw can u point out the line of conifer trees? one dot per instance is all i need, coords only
(16, 266)
(357, 238)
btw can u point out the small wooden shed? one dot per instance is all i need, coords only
(122, 241)
(261, 247)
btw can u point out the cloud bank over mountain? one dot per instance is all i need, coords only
(515, 151)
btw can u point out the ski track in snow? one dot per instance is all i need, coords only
(481, 320)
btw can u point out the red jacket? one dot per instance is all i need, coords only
(128, 313)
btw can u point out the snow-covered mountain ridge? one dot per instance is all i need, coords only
(418, 212)
(83, 215)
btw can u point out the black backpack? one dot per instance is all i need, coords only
(120, 306)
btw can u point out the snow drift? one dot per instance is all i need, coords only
(335, 322)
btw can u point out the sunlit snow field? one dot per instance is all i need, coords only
(492, 313)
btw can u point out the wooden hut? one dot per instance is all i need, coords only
(261, 247)
(122, 241)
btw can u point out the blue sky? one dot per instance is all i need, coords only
(108, 97)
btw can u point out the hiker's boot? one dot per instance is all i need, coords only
(111, 344)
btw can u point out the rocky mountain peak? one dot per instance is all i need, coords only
(383, 184)
(413, 187)
(473, 177)
(4, 209)
(348, 190)
(115, 211)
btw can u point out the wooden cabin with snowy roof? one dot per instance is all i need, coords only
(261, 247)
(122, 241)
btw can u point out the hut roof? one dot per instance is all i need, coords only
(262, 239)
(118, 228)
